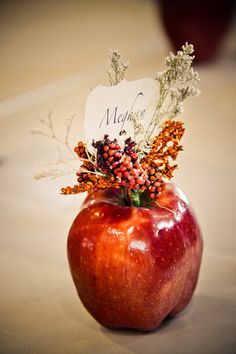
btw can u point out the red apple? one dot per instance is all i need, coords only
(133, 266)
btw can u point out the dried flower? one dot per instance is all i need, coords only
(137, 167)
(176, 84)
(127, 171)
(164, 148)
(118, 67)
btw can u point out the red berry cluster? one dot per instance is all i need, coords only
(109, 154)
(155, 179)
(87, 165)
(130, 150)
(82, 177)
(126, 166)
(131, 175)
(122, 164)
(80, 150)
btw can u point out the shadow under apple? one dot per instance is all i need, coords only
(208, 325)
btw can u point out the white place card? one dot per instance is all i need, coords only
(109, 110)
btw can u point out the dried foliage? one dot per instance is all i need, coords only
(89, 176)
(118, 68)
(176, 84)
(136, 167)
(164, 148)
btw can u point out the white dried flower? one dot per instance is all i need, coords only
(118, 67)
(176, 84)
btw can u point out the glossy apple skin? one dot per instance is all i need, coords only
(133, 266)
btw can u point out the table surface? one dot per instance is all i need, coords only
(40, 310)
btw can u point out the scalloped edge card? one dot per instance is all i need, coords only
(109, 110)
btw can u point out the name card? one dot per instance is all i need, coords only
(110, 110)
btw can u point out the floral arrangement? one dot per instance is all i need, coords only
(140, 167)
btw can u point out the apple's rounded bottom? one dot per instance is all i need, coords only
(148, 325)
(140, 328)
(132, 328)
(152, 326)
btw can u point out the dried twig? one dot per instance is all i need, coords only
(118, 67)
(177, 83)
(51, 132)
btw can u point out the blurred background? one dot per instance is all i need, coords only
(51, 54)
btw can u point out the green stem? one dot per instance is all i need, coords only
(135, 197)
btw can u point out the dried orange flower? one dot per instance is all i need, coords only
(165, 147)
(91, 183)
